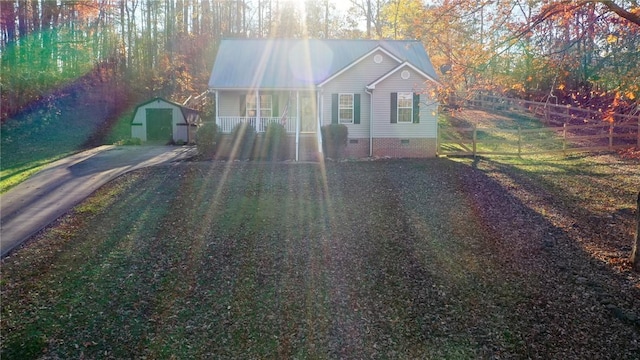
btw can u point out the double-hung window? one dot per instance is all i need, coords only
(266, 106)
(346, 108)
(405, 107)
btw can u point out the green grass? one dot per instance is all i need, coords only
(121, 130)
(400, 259)
(499, 134)
(34, 139)
(12, 176)
(600, 183)
(243, 260)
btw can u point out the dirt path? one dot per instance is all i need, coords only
(32, 205)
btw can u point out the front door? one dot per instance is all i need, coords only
(308, 117)
(159, 124)
(308, 149)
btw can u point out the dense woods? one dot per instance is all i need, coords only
(584, 52)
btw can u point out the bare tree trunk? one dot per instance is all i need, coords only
(130, 27)
(35, 15)
(23, 25)
(8, 23)
(123, 40)
(635, 254)
(368, 19)
(326, 19)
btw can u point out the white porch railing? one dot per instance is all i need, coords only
(226, 124)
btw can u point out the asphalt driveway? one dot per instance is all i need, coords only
(35, 203)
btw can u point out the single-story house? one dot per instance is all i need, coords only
(162, 120)
(380, 89)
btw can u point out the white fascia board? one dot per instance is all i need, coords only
(372, 86)
(376, 49)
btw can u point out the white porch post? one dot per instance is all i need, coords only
(297, 125)
(217, 108)
(371, 117)
(319, 107)
(258, 120)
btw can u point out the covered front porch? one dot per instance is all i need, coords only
(296, 110)
(226, 124)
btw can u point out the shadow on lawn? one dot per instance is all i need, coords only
(558, 237)
(398, 259)
(572, 164)
(18, 170)
(89, 294)
(486, 272)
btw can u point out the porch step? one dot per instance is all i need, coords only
(309, 156)
(309, 149)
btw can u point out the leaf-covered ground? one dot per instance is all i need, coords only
(401, 259)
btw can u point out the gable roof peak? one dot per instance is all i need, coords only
(281, 63)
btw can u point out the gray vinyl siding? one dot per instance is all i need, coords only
(383, 128)
(230, 103)
(354, 81)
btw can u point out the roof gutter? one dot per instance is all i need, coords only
(264, 89)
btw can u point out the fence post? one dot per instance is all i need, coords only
(438, 140)
(564, 138)
(475, 138)
(546, 115)
(519, 140)
(635, 255)
(610, 136)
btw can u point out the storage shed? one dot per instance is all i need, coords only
(162, 120)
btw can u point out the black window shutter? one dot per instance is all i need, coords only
(416, 108)
(356, 108)
(394, 108)
(243, 105)
(334, 108)
(274, 105)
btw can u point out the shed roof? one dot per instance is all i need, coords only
(191, 116)
(290, 64)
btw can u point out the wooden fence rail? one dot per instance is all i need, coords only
(559, 136)
(548, 111)
(545, 140)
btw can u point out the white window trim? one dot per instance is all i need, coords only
(263, 109)
(410, 107)
(340, 108)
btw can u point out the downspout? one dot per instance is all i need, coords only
(371, 109)
(258, 124)
(319, 109)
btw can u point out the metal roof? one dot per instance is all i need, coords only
(292, 64)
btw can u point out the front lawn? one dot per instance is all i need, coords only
(400, 259)
(59, 127)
